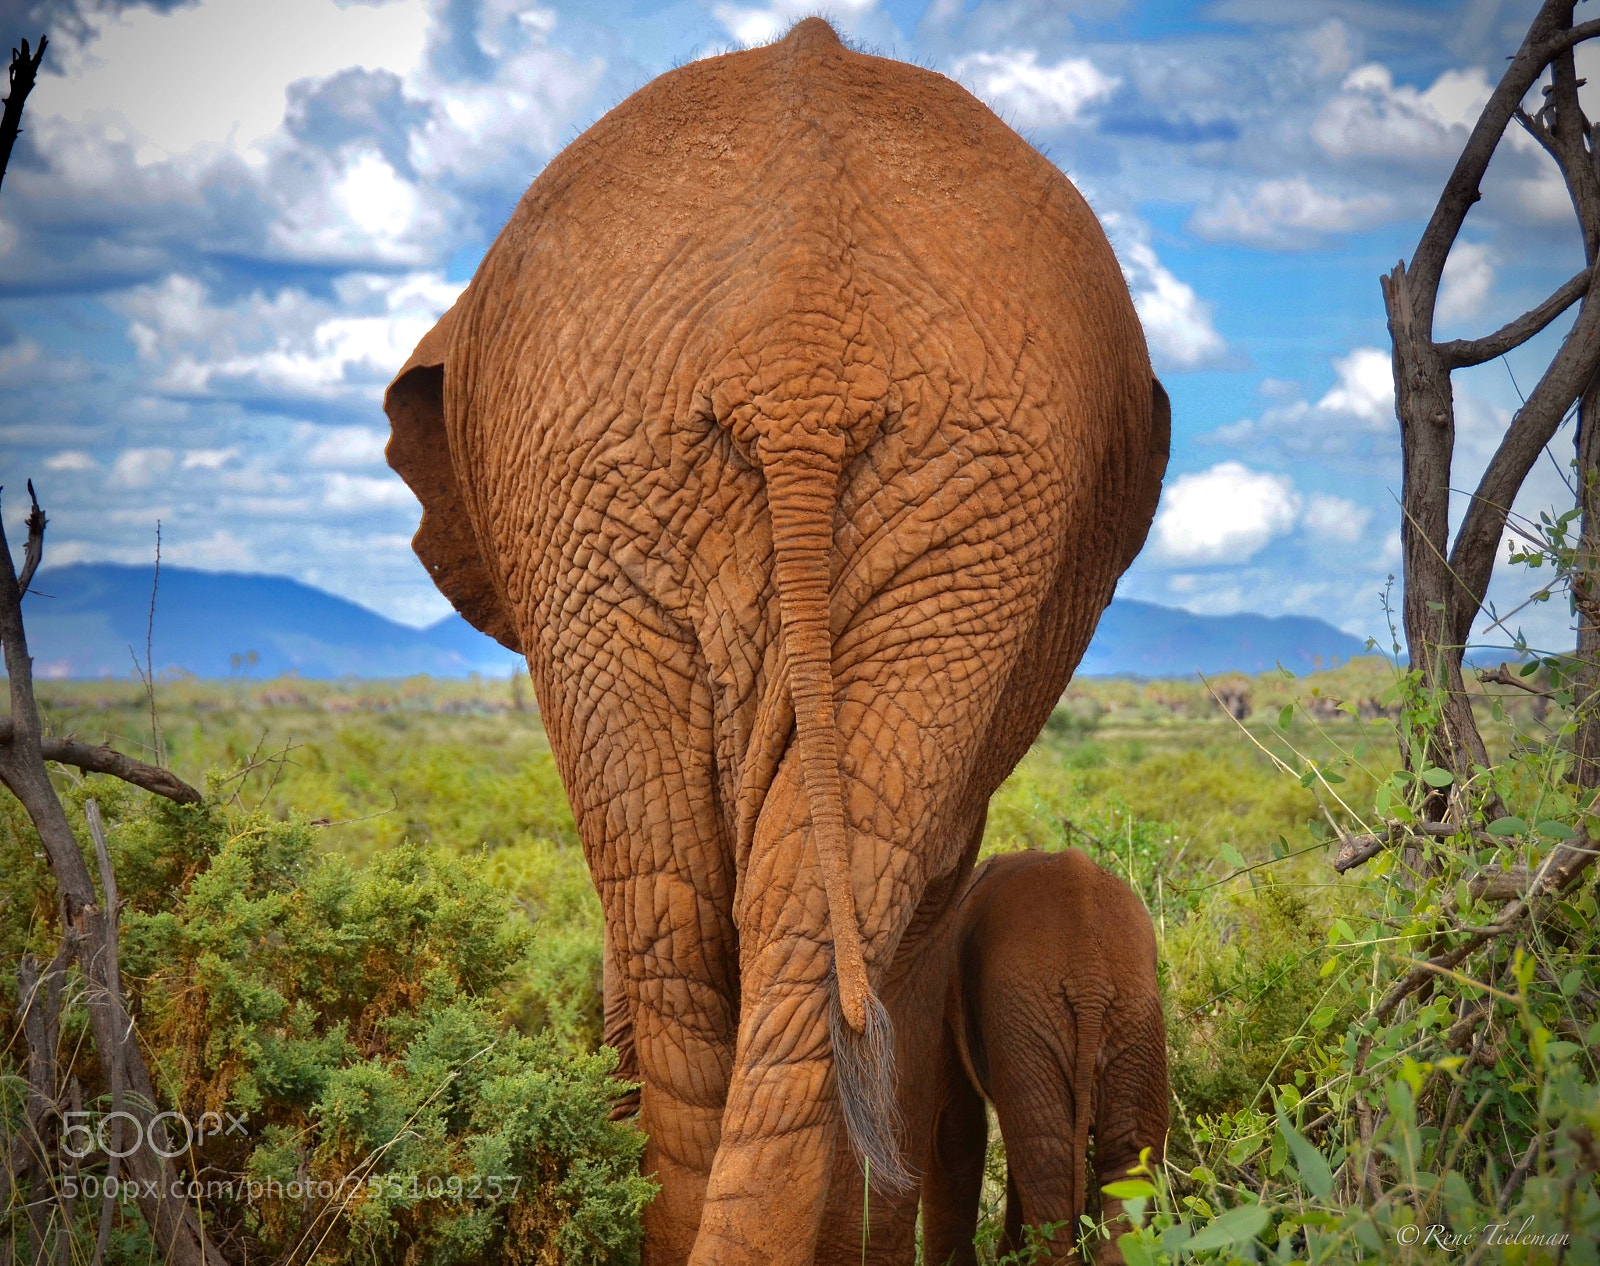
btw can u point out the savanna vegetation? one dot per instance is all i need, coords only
(346, 997)
(375, 944)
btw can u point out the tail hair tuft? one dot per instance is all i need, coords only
(865, 1066)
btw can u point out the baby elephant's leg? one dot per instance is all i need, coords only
(953, 1181)
(1131, 1115)
(1040, 1094)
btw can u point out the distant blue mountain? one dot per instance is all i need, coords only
(82, 621)
(95, 612)
(1141, 639)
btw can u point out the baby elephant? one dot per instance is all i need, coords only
(1053, 1015)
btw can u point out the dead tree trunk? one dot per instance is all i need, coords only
(1568, 136)
(86, 925)
(1445, 583)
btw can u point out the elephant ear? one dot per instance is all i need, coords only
(419, 452)
(1142, 504)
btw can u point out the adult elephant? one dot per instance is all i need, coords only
(796, 427)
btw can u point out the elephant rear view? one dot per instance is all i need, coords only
(796, 427)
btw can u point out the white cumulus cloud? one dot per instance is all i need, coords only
(1015, 85)
(752, 26)
(1372, 118)
(214, 75)
(1365, 388)
(1177, 322)
(363, 209)
(346, 446)
(1335, 518)
(288, 344)
(1468, 279)
(363, 492)
(70, 459)
(1223, 515)
(137, 467)
(208, 458)
(1290, 213)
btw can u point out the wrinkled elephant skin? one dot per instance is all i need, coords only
(796, 428)
(1054, 1016)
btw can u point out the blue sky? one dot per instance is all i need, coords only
(228, 222)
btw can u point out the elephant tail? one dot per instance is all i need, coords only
(1089, 1016)
(802, 491)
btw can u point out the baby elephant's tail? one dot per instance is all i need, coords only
(1089, 1015)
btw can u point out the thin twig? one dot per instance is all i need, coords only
(1500, 677)
(149, 664)
(108, 887)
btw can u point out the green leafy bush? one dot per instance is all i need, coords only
(356, 1022)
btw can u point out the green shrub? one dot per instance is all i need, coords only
(357, 1021)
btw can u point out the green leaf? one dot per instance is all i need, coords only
(1236, 1226)
(1286, 716)
(1554, 830)
(1436, 777)
(1503, 827)
(1129, 1189)
(1572, 982)
(1528, 669)
(1366, 1233)
(1277, 1156)
(1329, 776)
(1232, 856)
(1134, 1250)
(1314, 1171)
(1243, 1150)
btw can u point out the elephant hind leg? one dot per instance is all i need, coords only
(1042, 1090)
(953, 1184)
(1131, 1115)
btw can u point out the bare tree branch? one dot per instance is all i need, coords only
(24, 72)
(102, 758)
(1464, 353)
(1445, 583)
(35, 523)
(1472, 557)
(1569, 39)
(1500, 677)
(1550, 32)
(1559, 872)
(174, 1225)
